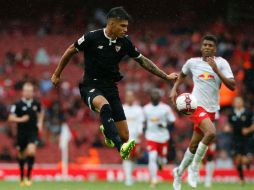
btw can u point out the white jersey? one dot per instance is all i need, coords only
(206, 81)
(135, 120)
(160, 114)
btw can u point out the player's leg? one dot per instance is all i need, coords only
(21, 162)
(101, 105)
(30, 155)
(209, 170)
(239, 167)
(128, 166)
(21, 146)
(187, 159)
(162, 155)
(152, 148)
(123, 130)
(209, 131)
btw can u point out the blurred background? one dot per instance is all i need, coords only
(35, 33)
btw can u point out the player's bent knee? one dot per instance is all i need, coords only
(210, 135)
(99, 102)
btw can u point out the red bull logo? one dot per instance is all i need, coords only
(206, 76)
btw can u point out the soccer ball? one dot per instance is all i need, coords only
(186, 103)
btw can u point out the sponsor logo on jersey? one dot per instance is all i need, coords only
(100, 47)
(206, 76)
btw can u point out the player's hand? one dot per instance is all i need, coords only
(24, 118)
(172, 97)
(172, 76)
(40, 126)
(245, 131)
(55, 79)
(211, 62)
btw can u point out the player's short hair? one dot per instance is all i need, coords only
(118, 13)
(28, 83)
(210, 37)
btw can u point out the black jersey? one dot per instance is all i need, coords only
(240, 120)
(30, 108)
(103, 55)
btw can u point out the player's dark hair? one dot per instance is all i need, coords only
(118, 13)
(210, 37)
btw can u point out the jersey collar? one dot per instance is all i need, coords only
(27, 102)
(110, 39)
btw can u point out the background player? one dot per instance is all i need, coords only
(158, 115)
(208, 72)
(28, 115)
(135, 120)
(241, 124)
(103, 50)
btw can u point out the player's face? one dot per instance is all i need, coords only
(28, 92)
(208, 48)
(120, 27)
(129, 97)
(238, 103)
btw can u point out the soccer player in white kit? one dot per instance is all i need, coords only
(208, 72)
(135, 120)
(158, 115)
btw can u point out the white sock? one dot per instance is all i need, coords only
(209, 172)
(128, 168)
(186, 161)
(152, 165)
(199, 155)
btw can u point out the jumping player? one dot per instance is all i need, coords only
(103, 50)
(208, 72)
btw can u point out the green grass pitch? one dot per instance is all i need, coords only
(114, 186)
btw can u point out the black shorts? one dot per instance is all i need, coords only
(23, 139)
(240, 147)
(89, 90)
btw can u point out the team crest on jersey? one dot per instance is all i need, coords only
(118, 48)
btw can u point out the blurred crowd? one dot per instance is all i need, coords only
(169, 46)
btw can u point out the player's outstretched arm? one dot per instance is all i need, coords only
(69, 52)
(173, 92)
(148, 65)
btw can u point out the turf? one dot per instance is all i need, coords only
(113, 186)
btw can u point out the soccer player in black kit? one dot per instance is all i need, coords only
(242, 126)
(103, 50)
(28, 115)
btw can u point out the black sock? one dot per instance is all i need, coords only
(30, 163)
(21, 162)
(109, 126)
(240, 172)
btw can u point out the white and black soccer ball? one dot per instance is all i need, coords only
(186, 103)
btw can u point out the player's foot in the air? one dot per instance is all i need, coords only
(192, 178)
(28, 182)
(107, 141)
(126, 149)
(177, 183)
